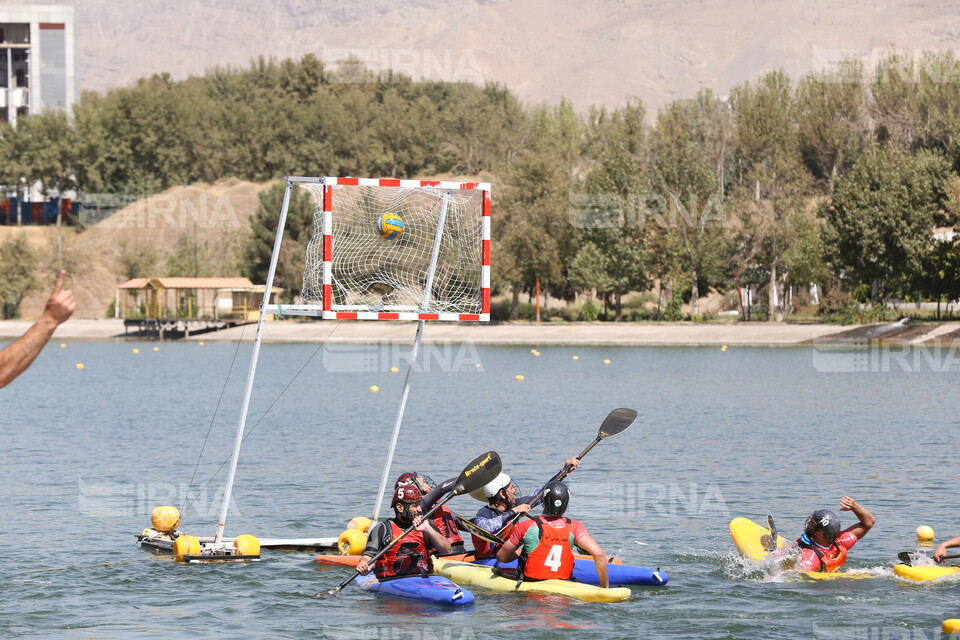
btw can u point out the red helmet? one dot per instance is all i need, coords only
(408, 479)
(406, 494)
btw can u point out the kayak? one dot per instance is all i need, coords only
(483, 576)
(430, 589)
(351, 561)
(747, 536)
(924, 572)
(584, 569)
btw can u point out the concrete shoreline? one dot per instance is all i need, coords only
(523, 333)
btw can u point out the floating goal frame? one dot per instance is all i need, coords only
(327, 307)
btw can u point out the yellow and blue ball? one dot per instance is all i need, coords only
(390, 226)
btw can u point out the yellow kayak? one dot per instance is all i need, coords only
(747, 536)
(464, 573)
(923, 572)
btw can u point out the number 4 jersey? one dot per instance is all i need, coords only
(547, 545)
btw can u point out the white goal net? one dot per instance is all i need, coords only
(398, 249)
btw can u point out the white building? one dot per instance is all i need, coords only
(38, 59)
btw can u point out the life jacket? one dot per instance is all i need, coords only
(484, 549)
(827, 565)
(409, 557)
(552, 557)
(446, 524)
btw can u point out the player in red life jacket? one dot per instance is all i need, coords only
(823, 546)
(444, 520)
(545, 543)
(503, 504)
(410, 556)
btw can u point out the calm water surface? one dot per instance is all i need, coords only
(86, 455)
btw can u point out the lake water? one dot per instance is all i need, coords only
(87, 454)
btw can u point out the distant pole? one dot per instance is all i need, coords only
(196, 271)
(538, 299)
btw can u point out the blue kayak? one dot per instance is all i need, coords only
(432, 589)
(585, 571)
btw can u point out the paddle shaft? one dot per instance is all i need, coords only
(905, 557)
(617, 421)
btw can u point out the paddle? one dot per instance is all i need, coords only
(618, 420)
(479, 472)
(769, 541)
(906, 557)
(477, 531)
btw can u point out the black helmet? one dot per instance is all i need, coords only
(823, 520)
(555, 498)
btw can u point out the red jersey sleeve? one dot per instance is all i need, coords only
(847, 538)
(577, 529)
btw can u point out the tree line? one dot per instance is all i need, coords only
(839, 178)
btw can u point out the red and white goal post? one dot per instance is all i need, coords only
(386, 249)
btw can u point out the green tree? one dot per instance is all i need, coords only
(773, 185)
(18, 265)
(296, 235)
(831, 109)
(883, 213)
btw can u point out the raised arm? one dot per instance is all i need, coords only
(865, 517)
(16, 357)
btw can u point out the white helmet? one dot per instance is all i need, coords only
(493, 487)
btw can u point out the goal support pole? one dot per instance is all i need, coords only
(414, 353)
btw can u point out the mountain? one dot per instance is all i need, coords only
(589, 51)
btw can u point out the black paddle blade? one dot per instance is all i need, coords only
(479, 472)
(617, 421)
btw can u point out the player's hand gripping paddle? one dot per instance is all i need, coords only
(907, 557)
(479, 472)
(618, 420)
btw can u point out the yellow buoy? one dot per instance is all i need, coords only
(374, 388)
(360, 523)
(200, 343)
(165, 518)
(394, 370)
(723, 348)
(185, 546)
(79, 365)
(606, 362)
(576, 357)
(247, 545)
(534, 352)
(352, 542)
(519, 377)
(951, 626)
(63, 346)
(136, 350)
(156, 348)
(924, 533)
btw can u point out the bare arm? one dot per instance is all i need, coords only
(508, 552)
(865, 517)
(440, 543)
(588, 544)
(16, 357)
(941, 550)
